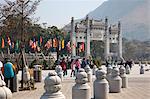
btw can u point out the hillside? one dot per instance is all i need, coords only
(133, 14)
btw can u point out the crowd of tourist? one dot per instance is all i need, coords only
(73, 64)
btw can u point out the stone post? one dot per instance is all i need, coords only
(52, 86)
(142, 69)
(5, 92)
(116, 81)
(89, 73)
(101, 86)
(81, 90)
(109, 71)
(127, 69)
(87, 37)
(123, 76)
(94, 69)
(73, 38)
(26, 74)
(59, 71)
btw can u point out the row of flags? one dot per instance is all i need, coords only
(37, 44)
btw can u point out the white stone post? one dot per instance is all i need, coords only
(107, 43)
(116, 81)
(26, 74)
(123, 76)
(94, 69)
(59, 71)
(5, 92)
(89, 73)
(109, 72)
(52, 86)
(73, 38)
(87, 37)
(101, 86)
(81, 90)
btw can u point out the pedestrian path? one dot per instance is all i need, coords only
(139, 87)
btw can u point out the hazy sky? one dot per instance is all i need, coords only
(59, 12)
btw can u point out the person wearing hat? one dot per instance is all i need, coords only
(8, 74)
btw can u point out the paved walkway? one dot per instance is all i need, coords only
(139, 87)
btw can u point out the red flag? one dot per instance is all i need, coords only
(3, 43)
(48, 44)
(41, 39)
(55, 43)
(8, 41)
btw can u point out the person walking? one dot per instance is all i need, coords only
(78, 65)
(83, 64)
(73, 65)
(64, 66)
(8, 74)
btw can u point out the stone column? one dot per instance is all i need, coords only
(101, 86)
(107, 43)
(120, 41)
(73, 38)
(116, 81)
(94, 69)
(52, 86)
(109, 72)
(123, 76)
(5, 92)
(59, 71)
(89, 73)
(81, 90)
(87, 37)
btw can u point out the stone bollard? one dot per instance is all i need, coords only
(142, 69)
(59, 71)
(52, 87)
(81, 90)
(5, 92)
(123, 76)
(101, 86)
(116, 81)
(127, 69)
(89, 73)
(26, 74)
(108, 75)
(94, 69)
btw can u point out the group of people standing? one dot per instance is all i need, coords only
(73, 64)
(8, 73)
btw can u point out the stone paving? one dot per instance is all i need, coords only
(139, 87)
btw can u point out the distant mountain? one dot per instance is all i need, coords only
(133, 14)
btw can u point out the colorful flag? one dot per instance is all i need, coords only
(55, 43)
(17, 45)
(68, 46)
(30, 43)
(3, 43)
(63, 44)
(48, 44)
(8, 41)
(40, 40)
